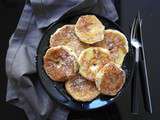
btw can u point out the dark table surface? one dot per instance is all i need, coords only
(9, 16)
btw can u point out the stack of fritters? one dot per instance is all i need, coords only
(88, 58)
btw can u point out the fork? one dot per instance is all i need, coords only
(136, 45)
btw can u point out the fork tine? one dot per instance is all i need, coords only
(132, 29)
(135, 27)
(139, 16)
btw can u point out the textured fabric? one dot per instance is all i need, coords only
(24, 89)
(48, 11)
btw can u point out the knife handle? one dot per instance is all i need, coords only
(145, 87)
(135, 101)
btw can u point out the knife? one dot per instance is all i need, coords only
(143, 71)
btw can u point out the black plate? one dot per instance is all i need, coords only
(57, 91)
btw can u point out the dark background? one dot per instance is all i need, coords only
(10, 11)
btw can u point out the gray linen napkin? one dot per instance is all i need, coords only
(24, 89)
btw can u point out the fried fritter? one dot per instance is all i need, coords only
(89, 29)
(117, 44)
(60, 63)
(91, 60)
(66, 36)
(81, 89)
(110, 79)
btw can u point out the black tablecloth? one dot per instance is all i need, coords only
(9, 16)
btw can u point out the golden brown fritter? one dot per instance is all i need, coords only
(60, 63)
(81, 89)
(91, 60)
(117, 44)
(66, 36)
(110, 79)
(89, 29)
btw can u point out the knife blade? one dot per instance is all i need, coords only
(143, 71)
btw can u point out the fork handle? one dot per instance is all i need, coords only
(145, 87)
(135, 100)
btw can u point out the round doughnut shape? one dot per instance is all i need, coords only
(110, 79)
(91, 60)
(117, 43)
(89, 29)
(60, 63)
(81, 89)
(66, 36)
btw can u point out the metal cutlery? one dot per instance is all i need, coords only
(143, 72)
(140, 70)
(135, 80)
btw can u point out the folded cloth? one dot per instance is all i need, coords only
(24, 89)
